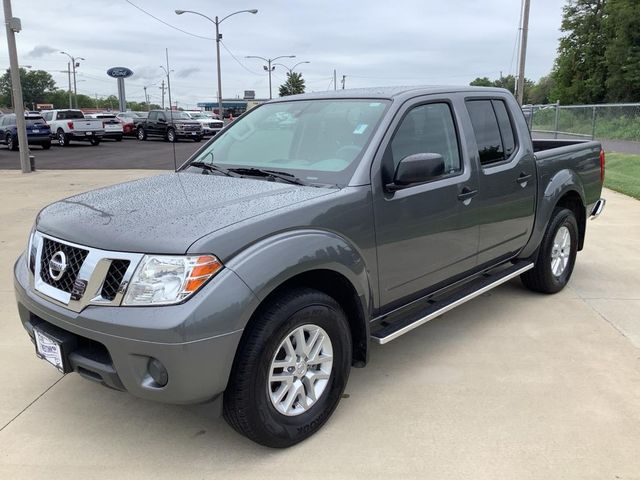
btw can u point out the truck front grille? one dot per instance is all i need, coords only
(74, 258)
(113, 280)
(90, 276)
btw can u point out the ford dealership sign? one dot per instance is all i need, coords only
(119, 72)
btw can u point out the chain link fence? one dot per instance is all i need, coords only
(604, 122)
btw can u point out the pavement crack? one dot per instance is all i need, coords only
(27, 407)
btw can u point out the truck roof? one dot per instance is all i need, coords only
(391, 92)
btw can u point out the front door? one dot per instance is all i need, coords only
(425, 233)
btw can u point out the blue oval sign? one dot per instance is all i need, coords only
(119, 72)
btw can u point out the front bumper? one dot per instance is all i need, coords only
(195, 341)
(188, 134)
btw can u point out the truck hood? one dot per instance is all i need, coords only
(166, 213)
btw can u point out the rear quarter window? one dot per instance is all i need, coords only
(493, 130)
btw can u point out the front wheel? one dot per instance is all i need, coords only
(290, 369)
(171, 135)
(197, 139)
(12, 144)
(557, 255)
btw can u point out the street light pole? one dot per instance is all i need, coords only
(217, 23)
(73, 66)
(269, 68)
(13, 26)
(292, 68)
(523, 49)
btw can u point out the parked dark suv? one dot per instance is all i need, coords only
(169, 125)
(38, 132)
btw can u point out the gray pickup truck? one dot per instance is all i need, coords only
(261, 271)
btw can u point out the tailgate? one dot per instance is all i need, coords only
(87, 124)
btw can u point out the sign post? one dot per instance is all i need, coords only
(120, 73)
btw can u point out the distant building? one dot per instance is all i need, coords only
(235, 106)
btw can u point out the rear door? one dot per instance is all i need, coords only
(151, 123)
(506, 180)
(426, 234)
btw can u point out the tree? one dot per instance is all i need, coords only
(36, 84)
(293, 85)
(580, 70)
(622, 57)
(540, 93)
(481, 82)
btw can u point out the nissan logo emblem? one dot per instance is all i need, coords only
(57, 265)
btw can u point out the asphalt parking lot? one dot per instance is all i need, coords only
(512, 385)
(153, 154)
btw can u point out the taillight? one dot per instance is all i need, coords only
(70, 125)
(602, 162)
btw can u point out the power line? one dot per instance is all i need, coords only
(238, 61)
(165, 23)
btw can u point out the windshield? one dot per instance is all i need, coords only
(318, 141)
(197, 115)
(179, 115)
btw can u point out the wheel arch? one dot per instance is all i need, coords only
(574, 202)
(314, 259)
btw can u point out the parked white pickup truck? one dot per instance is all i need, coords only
(112, 126)
(68, 124)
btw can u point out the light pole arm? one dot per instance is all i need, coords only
(235, 13)
(201, 14)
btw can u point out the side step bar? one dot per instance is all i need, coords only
(435, 309)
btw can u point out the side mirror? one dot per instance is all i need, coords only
(417, 168)
(162, 120)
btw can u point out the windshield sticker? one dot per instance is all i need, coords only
(360, 129)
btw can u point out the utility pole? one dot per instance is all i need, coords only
(523, 49)
(146, 99)
(344, 80)
(70, 94)
(13, 26)
(335, 80)
(163, 88)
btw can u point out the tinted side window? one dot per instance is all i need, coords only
(485, 127)
(427, 129)
(153, 116)
(504, 122)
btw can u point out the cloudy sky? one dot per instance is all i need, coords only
(399, 42)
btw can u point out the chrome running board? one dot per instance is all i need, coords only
(483, 284)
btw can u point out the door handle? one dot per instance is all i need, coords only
(524, 177)
(466, 194)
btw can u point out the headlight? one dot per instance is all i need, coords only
(163, 280)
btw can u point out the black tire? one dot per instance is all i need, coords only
(46, 145)
(94, 141)
(119, 138)
(171, 135)
(141, 134)
(12, 143)
(247, 406)
(63, 139)
(197, 139)
(541, 277)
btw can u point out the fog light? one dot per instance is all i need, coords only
(158, 372)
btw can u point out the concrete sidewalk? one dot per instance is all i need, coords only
(512, 385)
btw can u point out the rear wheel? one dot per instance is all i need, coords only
(46, 145)
(63, 139)
(142, 135)
(290, 369)
(557, 255)
(119, 138)
(94, 141)
(12, 143)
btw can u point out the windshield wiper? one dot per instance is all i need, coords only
(273, 174)
(214, 168)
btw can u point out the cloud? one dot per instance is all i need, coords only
(187, 72)
(40, 51)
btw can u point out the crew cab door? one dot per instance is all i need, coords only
(426, 233)
(506, 180)
(152, 123)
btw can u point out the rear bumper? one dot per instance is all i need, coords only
(38, 139)
(113, 134)
(115, 345)
(597, 209)
(85, 135)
